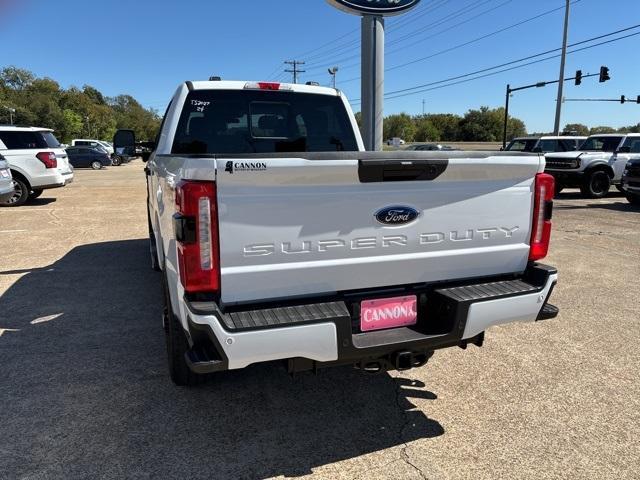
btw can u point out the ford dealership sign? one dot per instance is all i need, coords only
(374, 7)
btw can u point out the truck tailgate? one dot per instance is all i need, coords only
(307, 224)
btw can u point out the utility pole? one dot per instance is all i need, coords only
(295, 70)
(423, 104)
(556, 128)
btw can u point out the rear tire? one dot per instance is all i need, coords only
(633, 199)
(35, 194)
(96, 165)
(177, 346)
(21, 193)
(596, 184)
(116, 161)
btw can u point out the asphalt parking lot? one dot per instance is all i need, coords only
(84, 391)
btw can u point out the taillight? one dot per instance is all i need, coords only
(48, 158)
(196, 229)
(266, 86)
(542, 211)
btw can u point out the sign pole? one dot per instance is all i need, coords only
(372, 81)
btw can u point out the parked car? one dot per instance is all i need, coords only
(546, 144)
(93, 157)
(333, 255)
(84, 142)
(631, 181)
(6, 182)
(597, 165)
(395, 142)
(36, 161)
(429, 147)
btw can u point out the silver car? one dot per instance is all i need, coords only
(6, 182)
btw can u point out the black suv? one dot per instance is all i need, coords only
(631, 181)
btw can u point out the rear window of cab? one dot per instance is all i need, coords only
(242, 121)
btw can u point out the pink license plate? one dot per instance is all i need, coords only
(388, 313)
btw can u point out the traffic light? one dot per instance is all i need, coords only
(578, 77)
(604, 74)
(638, 99)
(623, 99)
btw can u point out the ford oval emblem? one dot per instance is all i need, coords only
(396, 215)
(375, 7)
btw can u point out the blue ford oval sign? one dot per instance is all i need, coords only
(374, 7)
(396, 215)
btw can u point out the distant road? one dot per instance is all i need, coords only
(461, 145)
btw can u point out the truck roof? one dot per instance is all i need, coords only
(615, 135)
(18, 128)
(242, 85)
(549, 137)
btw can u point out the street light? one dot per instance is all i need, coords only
(11, 112)
(332, 72)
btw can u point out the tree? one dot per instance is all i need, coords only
(72, 125)
(400, 125)
(601, 129)
(94, 95)
(447, 125)
(426, 130)
(72, 112)
(16, 78)
(576, 129)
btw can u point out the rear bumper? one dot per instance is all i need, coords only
(56, 180)
(325, 334)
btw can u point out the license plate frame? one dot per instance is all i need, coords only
(390, 312)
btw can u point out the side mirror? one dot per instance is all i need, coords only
(124, 143)
(502, 149)
(146, 149)
(624, 149)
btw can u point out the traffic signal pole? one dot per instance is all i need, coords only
(579, 76)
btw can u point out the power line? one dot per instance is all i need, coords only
(464, 78)
(513, 68)
(464, 44)
(441, 21)
(354, 44)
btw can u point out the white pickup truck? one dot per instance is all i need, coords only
(279, 238)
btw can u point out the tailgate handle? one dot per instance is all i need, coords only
(370, 171)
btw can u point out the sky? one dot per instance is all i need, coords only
(146, 48)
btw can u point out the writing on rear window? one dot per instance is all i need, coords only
(220, 121)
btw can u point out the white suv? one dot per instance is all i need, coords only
(36, 160)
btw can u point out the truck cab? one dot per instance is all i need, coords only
(279, 238)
